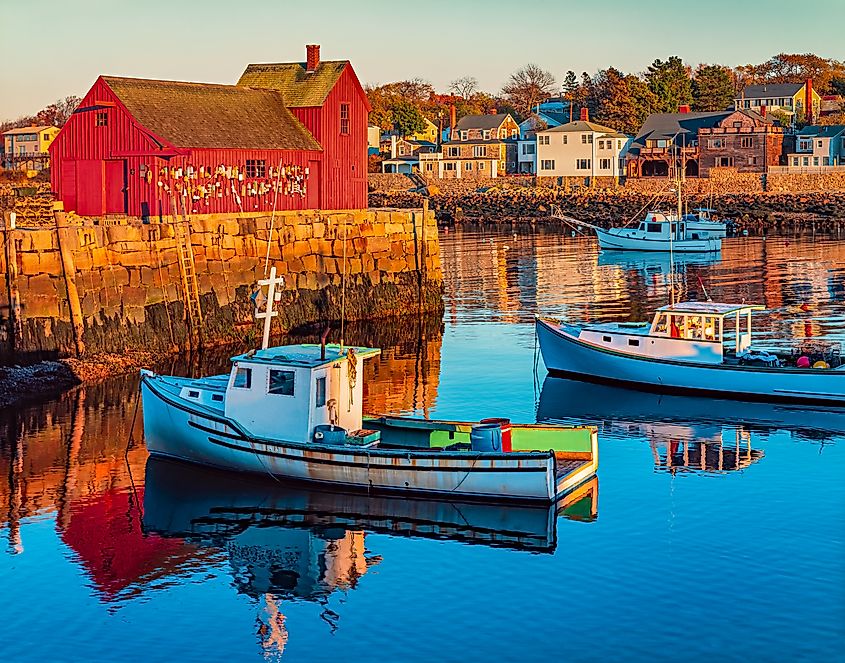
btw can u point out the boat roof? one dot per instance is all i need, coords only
(713, 308)
(307, 355)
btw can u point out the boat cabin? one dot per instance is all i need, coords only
(286, 392)
(710, 322)
(656, 225)
(688, 331)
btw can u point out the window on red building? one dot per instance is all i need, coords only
(344, 119)
(102, 119)
(256, 167)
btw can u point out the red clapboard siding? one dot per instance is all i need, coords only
(344, 182)
(102, 169)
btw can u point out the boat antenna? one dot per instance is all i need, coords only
(701, 283)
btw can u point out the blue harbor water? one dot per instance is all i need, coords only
(715, 529)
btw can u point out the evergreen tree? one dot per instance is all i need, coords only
(712, 88)
(407, 118)
(570, 83)
(670, 83)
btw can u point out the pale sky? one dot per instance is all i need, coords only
(55, 48)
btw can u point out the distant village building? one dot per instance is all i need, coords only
(402, 155)
(818, 147)
(790, 98)
(744, 140)
(426, 135)
(695, 143)
(287, 136)
(547, 116)
(373, 139)
(581, 149)
(479, 146)
(26, 148)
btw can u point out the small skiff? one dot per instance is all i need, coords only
(294, 412)
(693, 348)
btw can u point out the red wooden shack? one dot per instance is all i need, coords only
(287, 137)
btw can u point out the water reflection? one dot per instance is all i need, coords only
(619, 409)
(511, 277)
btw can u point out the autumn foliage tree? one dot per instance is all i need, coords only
(527, 87)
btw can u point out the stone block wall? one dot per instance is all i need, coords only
(110, 288)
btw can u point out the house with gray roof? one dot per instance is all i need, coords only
(581, 149)
(479, 146)
(818, 147)
(789, 98)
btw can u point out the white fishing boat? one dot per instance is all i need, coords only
(701, 222)
(295, 412)
(658, 232)
(693, 348)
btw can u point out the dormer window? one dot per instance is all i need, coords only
(243, 378)
(281, 382)
(464, 135)
(487, 134)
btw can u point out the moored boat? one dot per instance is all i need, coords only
(294, 412)
(693, 347)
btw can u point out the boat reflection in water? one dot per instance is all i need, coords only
(650, 261)
(228, 509)
(698, 434)
(285, 542)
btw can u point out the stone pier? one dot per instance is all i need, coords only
(85, 285)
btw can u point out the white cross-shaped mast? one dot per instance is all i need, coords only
(272, 297)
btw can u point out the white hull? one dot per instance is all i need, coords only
(610, 240)
(564, 354)
(178, 429)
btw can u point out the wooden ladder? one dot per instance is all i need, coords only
(188, 272)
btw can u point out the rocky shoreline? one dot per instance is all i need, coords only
(46, 379)
(758, 214)
(525, 203)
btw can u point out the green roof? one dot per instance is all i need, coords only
(297, 86)
(306, 355)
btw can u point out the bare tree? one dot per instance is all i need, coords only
(528, 86)
(465, 86)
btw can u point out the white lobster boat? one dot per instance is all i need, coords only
(659, 232)
(295, 412)
(693, 347)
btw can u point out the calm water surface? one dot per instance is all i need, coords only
(715, 530)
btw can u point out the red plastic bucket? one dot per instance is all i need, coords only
(505, 425)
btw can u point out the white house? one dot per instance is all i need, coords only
(581, 149)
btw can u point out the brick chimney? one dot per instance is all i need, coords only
(763, 110)
(452, 118)
(493, 111)
(808, 101)
(585, 114)
(683, 108)
(312, 60)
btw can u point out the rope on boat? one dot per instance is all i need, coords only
(471, 468)
(272, 217)
(126, 457)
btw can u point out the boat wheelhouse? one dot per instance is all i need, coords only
(699, 347)
(701, 221)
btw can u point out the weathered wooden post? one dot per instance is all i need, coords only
(11, 273)
(69, 272)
